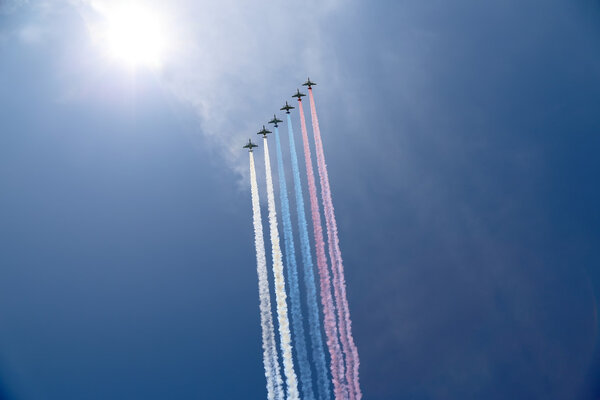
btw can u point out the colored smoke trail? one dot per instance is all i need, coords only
(314, 323)
(280, 295)
(337, 360)
(292, 275)
(337, 266)
(272, 372)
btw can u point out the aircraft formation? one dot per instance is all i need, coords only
(307, 371)
(275, 120)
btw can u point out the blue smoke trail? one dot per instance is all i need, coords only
(292, 275)
(285, 335)
(314, 322)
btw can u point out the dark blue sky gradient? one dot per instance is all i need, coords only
(462, 142)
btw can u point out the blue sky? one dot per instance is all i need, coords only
(462, 143)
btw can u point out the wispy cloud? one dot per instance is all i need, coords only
(235, 62)
(232, 62)
(31, 34)
(26, 21)
(10, 6)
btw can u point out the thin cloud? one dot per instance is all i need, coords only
(10, 6)
(232, 63)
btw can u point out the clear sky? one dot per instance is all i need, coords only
(462, 140)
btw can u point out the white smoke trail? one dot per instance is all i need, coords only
(280, 295)
(271, 363)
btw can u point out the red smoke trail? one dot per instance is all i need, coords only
(335, 254)
(337, 361)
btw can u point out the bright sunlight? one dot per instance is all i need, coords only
(135, 35)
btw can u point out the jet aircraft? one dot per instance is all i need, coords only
(249, 145)
(309, 83)
(299, 95)
(263, 132)
(287, 108)
(275, 121)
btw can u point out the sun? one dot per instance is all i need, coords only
(135, 35)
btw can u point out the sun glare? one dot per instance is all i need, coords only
(135, 35)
